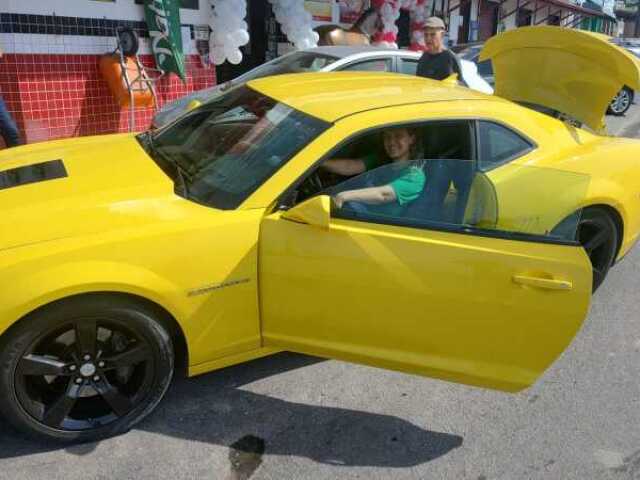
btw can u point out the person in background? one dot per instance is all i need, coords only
(8, 129)
(437, 62)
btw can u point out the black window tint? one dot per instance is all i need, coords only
(498, 145)
(374, 65)
(452, 195)
(228, 147)
(485, 69)
(409, 67)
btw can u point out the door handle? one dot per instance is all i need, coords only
(541, 282)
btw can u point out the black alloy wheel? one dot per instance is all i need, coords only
(598, 235)
(84, 368)
(621, 102)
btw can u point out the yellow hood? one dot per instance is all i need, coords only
(572, 71)
(99, 183)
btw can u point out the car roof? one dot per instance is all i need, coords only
(347, 51)
(334, 95)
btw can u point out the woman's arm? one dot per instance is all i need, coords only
(372, 196)
(345, 166)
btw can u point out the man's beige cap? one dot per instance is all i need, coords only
(434, 22)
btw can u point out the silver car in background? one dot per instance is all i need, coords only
(321, 59)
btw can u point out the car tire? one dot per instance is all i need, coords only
(621, 102)
(66, 381)
(598, 234)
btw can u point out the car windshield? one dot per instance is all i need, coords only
(470, 53)
(224, 150)
(297, 62)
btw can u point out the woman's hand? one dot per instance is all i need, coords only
(370, 196)
(339, 199)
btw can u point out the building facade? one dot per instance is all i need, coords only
(49, 76)
(477, 20)
(51, 83)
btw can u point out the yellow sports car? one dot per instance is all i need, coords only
(383, 219)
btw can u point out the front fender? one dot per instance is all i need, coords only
(27, 289)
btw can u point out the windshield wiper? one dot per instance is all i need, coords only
(178, 173)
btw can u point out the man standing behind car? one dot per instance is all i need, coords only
(8, 129)
(437, 62)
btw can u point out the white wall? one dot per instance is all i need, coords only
(58, 44)
(120, 10)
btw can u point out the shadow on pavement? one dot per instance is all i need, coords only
(213, 409)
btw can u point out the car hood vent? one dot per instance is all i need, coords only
(38, 172)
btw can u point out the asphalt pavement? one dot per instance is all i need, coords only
(296, 417)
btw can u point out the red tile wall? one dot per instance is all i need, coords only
(58, 96)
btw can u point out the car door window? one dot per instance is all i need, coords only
(452, 195)
(448, 139)
(371, 65)
(408, 67)
(485, 68)
(499, 144)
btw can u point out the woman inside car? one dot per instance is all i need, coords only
(391, 188)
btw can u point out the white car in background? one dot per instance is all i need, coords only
(322, 59)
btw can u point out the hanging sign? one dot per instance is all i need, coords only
(163, 21)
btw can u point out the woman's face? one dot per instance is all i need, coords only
(398, 143)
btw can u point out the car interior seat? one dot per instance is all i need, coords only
(449, 152)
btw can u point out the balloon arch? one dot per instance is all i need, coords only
(389, 12)
(231, 31)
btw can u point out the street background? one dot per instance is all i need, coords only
(305, 418)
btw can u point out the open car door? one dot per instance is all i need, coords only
(449, 288)
(570, 71)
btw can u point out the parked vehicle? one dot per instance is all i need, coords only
(321, 59)
(219, 238)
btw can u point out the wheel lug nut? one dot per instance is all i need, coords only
(73, 368)
(87, 357)
(101, 364)
(96, 378)
(78, 381)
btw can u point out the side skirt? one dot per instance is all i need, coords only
(231, 360)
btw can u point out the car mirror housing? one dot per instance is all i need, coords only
(315, 211)
(451, 80)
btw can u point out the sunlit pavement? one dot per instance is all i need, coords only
(325, 419)
(627, 125)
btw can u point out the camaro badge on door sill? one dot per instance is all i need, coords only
(217, 286)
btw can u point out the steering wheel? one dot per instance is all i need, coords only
(312, 185)
(315, 181)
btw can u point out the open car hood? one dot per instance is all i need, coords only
(571, 71)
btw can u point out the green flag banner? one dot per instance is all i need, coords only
(163, 21)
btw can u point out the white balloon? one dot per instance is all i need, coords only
(235, 57)
(218, 60)
(241, 37)
(229, 48)
(295, 22)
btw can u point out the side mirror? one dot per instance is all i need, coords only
(315, 211)
(451, 80)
